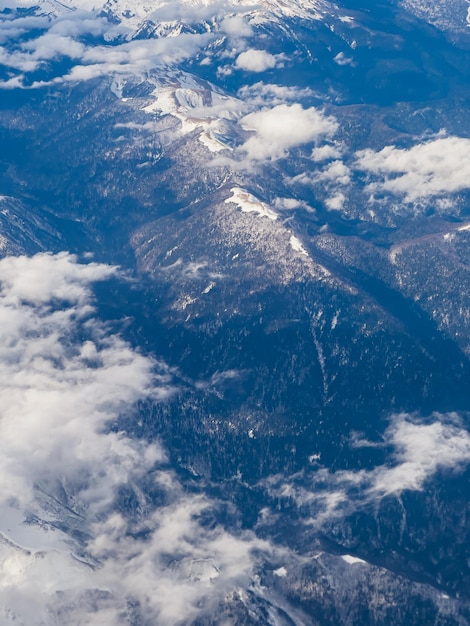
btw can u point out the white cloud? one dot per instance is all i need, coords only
(256, 60)
(325, 153)
(171, 568)
(236, 26)
(435, 168)
(336, 172)
(290, 204)
(283, 127)
(137, 56)
(53, 39)
(51, 45)
(67, 33)
(80, 23)
(262, 94)
(418, 450)
(58, 394)
(332, 177)
(64, 37)
(64, 383)
(342, 59)
(13, 29)
(48, 277)
(183, 565)
(336, 202)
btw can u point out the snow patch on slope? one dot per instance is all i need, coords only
(196, 105)
(248, 203)
(352, 560)
(297, 245)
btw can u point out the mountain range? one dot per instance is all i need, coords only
(234, 271)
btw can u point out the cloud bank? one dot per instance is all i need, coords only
(82, 538)
(64, 381)
(435, 168)
(37, 42)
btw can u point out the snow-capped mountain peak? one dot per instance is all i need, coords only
(133, 13)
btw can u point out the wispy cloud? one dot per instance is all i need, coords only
(68, 37)
(434, 168)
(420, 450)
(416, 450)
(94, 527)
(268, 94)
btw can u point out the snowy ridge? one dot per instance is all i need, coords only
(197, 105)
(134, 15)
(248, 203)
(129, 9)
(448, 15)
